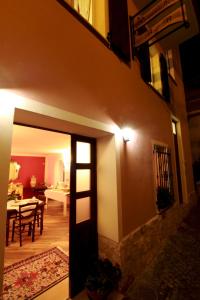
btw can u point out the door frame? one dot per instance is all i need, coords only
(30, 113)
(180, 153)
(72, 207)
(177, 159)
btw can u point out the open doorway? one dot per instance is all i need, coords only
(39, 170)
(58, 171)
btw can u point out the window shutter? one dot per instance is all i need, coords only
(119, 28)
(144, 59)
(164, 78)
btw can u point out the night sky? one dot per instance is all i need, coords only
(190, 60)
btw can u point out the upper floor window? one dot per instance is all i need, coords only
(156, 65)
(109, 18)
(154, 71)
(170, 63)
(84, 8)
(94, 12)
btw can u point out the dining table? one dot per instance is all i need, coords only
(13, 208)
(58, 195)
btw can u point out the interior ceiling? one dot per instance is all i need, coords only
(33, 141)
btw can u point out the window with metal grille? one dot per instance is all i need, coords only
(163, 172)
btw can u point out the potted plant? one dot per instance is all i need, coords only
(102, 279)
(12, 196)
(164, 198)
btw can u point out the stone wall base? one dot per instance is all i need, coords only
(109, 249)
(138, 249)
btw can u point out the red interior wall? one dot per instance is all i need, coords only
(30, 165)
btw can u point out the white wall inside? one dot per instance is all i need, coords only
(54, 169)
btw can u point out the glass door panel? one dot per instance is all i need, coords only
(82, 180)
(83, 153)
(82, 209)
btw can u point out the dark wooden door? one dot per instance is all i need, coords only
(178, 170)
(83, 248)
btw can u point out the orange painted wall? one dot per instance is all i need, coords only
(47, 55)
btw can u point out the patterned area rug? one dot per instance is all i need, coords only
(30, 277)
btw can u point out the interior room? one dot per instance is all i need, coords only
(39, 171)
(42, 177)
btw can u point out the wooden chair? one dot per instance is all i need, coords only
(10, 216)
(40, 216)
(26, 217)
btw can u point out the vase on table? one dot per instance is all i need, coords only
(33, 181)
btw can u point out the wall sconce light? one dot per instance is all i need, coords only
(127, 134)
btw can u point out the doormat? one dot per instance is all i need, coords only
(31, 277)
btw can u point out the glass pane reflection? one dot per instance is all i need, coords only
(82, 180)
(83, 155)
(82, 209)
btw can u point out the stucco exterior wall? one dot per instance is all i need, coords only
(53, 60)
(57, 61)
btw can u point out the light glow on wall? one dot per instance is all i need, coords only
(173, 127)
(8, 101)
(6, 105)
(66, 158)
(128, 134)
